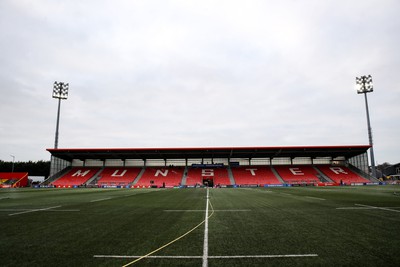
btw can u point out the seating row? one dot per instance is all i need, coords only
(175, 176)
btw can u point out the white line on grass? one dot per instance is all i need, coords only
(63, 210)
(102, 199)
(171, 242)
(366, 207)
(354, 208)
(14, 209)
(34, 210)
(209, 257)
(184, 210)
(317, 198)
(202, 210)
(205, 244)
(263, 256)
(379, 208)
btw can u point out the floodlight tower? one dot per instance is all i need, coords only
(60, 91)
(364, 86)
(12, 169)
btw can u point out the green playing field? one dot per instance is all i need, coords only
(303, 226)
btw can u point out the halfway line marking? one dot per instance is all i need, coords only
(202, 210)
(166, 245)
(209, 257)
(205, 243)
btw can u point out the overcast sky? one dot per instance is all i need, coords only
(151, 73)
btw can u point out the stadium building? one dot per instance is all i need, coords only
(13, 179)
(218, 167)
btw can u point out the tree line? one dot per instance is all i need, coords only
(33, 168)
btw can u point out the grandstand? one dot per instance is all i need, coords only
(220, 167)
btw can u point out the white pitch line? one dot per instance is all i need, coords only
(379, 208)
(205, 244)
(102, 199)
(148, 257)
(64, 210)
(263, 256)
(232, 210)
(203, 210)
(34, 210)
(14, 209)
(209, 257)
(184, 210)
(365, 207)
(354, 208)
(316, 198)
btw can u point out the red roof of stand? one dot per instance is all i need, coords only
(209, 152)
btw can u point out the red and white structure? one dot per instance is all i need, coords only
(220, 167)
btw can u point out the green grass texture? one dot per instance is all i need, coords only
(302, 226)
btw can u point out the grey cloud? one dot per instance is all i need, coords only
(197, 73)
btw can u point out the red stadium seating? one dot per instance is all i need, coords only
(254, 175)
(219, 176)
(162, 176)
(194, 177)
(298, 174)
(342, 174)
(119, 176)
(76, 176)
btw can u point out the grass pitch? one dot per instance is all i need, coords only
(309, 226)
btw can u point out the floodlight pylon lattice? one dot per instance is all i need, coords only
(60, 92)
(364, 85)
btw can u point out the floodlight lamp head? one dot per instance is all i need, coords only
(364, 84)
(60, 90)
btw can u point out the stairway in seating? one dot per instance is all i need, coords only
(56, 176)
(230, 174)
(322, 176)
(95, 177)
(138, 177)
(362, 174)
(184, 176)
(277, 175)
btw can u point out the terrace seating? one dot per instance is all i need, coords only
(219, 176)
(194, 177)
(119, 176)
(76, 176)
(298, 174)
(254, 175)
(342, 174)
(161, 176)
